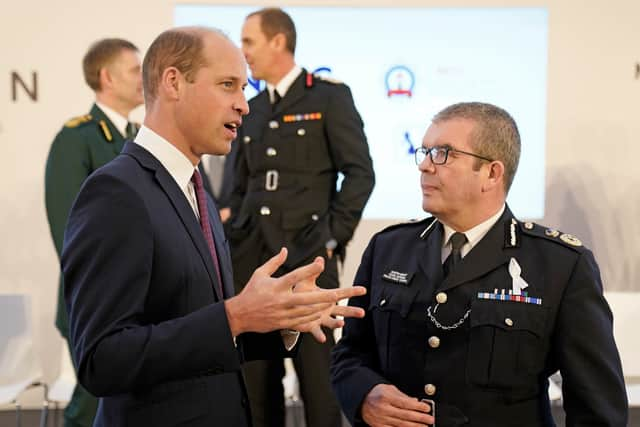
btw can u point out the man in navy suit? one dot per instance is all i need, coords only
(155, 328)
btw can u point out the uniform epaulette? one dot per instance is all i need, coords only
(552, 234)
(105, 130)
(410, 223)
(327, 79)
(77, 121)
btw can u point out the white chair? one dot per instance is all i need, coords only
(62, 387)
(19, 368)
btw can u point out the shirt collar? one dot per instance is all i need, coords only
(474, 234)
(285, 83)
(118, 120)
(176, 163)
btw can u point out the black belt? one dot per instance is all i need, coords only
(272, 180)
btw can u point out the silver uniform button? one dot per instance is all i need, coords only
(434, 342)
(265, 210)
(508, 322)
(315, 217)
(383, 302)
(430, 389)
(301, 132)
(274, 124)
(271, 152)
(246, 139)
(441, 297)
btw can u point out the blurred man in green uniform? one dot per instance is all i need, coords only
(112, 69)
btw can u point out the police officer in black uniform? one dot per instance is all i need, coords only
(301, 133)
(470, 311)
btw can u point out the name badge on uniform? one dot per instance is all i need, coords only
(397, 277)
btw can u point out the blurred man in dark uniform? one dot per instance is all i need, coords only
(471, 309)
(112, 70)
(301, 133)
(218, 171)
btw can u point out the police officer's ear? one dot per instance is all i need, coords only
(171, 83)
(492, 175)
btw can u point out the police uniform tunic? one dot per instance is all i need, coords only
(287, 166)
(478, 343)
(287, 160)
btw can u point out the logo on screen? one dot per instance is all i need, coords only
(399, 81)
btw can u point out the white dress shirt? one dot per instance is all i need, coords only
(118, 120)
(474, 235)
(177, 164)
(284, 84)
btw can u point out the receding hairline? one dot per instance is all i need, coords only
(184, 48)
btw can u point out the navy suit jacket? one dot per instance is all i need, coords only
(148, 329)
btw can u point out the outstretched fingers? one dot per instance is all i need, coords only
(274, 263)
(347, 311)
(307, 274)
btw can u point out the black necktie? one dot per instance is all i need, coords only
(457, 241)
(131, 130)
(276, 99)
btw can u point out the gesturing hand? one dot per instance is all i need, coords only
(328, 315)
(267, 303)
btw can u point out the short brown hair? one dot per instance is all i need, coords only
(182, 48)
(100, 54)
(495, 135)
(274, 20)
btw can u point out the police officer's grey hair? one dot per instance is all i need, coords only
(495, 136)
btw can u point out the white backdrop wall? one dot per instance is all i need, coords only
(593, 130)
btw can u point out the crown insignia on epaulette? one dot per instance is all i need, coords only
(570, 239)
(554, 234)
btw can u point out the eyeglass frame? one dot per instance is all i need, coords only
(428, 151)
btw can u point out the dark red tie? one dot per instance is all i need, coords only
(204, 222)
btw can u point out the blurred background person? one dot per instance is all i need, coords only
(112, 69)
(302, 132)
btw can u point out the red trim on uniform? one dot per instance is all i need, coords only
(309, 79)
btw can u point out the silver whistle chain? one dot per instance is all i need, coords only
(446, 327)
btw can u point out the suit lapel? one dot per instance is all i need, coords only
(180, 204)
(224, 257)
(486, 256)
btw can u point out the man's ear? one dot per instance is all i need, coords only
(106, 80)
(495, 176)
(171, 83)
(279, 41)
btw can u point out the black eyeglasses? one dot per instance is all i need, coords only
(440, 154)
